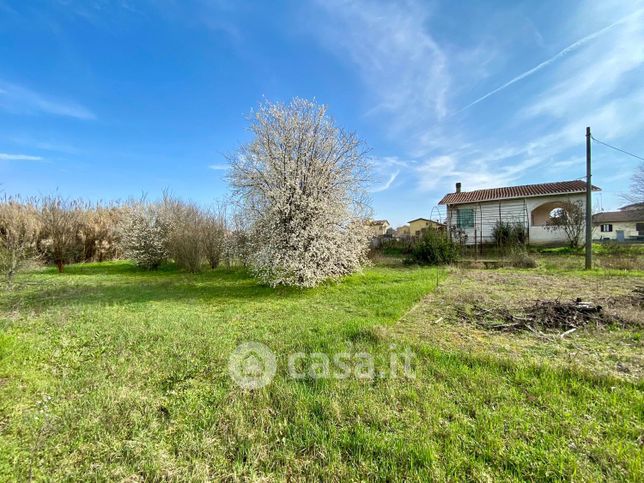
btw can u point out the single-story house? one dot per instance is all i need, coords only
(477, 212)
(418, 226)
(403, 232)
(627, 224)
(378, 227)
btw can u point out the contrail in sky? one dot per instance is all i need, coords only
(572, 47)
(387, 184)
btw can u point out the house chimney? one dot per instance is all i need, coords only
(458, 187)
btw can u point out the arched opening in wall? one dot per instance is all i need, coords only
(543, 213)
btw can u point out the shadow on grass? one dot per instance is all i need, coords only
(121, 268)
(124, 283)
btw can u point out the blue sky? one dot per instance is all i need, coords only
(109, 99)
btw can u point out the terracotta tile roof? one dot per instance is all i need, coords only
(634, 206)
(509, 192)
(615, 216)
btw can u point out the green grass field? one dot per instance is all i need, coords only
(110, 373)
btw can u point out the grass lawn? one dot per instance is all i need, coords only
(107, 372)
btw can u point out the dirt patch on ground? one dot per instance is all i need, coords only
(523, 314)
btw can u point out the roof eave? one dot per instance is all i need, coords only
(443, 202)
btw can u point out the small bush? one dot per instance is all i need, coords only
(435, 248)
(521, 259)
(509, 235)
(458, 236)
(144, 234)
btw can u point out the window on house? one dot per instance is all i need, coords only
(607, 228)
(640, 228)
(465, 218)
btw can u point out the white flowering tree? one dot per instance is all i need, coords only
(301, 183)
(144, 234)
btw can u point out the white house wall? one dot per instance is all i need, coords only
(486, 214)
(627, 226)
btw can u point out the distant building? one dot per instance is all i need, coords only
(476, 213)
(419, 226)
(403, 232)
(627, 224)
(634, 206)
(378, 227)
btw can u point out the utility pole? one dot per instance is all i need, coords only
(589, 211)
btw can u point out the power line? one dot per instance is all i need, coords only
(616, 148)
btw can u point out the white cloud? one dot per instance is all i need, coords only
(18, 99)
(219, 167)
(505, 165)
(19, 157)
(443, 171)
(403, 66)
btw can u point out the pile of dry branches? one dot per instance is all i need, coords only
(543, 315)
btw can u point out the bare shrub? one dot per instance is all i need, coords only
(301, 183)
(213, 235)
(143, 234)
(100, 231)
(570, 219)
(636, 193)
(237, 242)
(19, 230)
(458, 236)
(60, 220)
(186, 225)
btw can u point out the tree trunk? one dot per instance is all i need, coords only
(60, 265)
